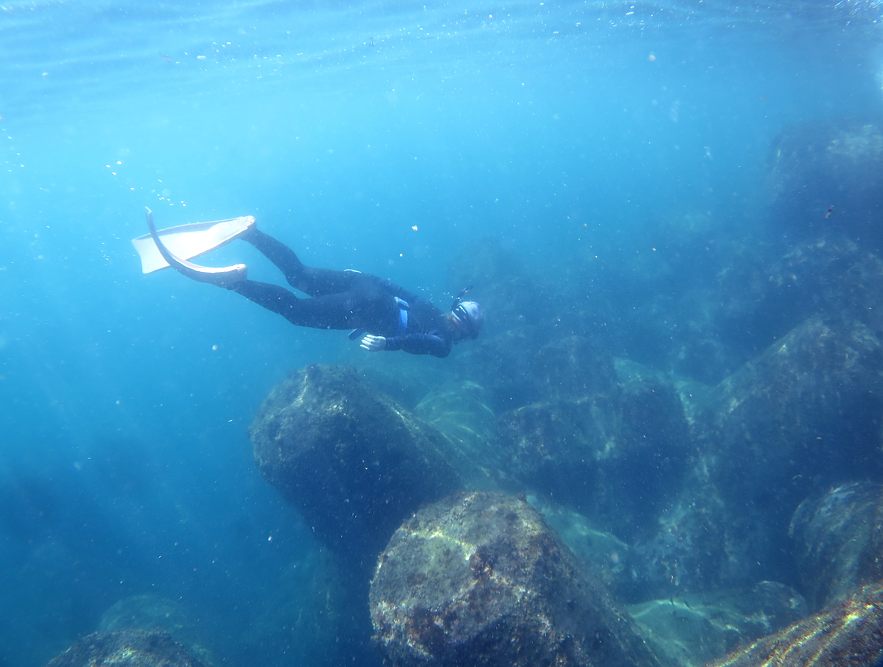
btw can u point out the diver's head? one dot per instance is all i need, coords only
(467, 318)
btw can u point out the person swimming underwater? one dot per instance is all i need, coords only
(380, 314)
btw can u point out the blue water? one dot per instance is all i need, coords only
(555, 127)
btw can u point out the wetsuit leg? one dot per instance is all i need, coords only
(315, 282)
(362, 306)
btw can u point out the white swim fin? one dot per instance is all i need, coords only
(223, 276)
(188, 241)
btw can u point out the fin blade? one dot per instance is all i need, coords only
(189, 241)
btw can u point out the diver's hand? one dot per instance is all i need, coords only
(372, 343)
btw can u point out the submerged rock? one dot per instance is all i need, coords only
(803, 415)
(838, 541)
(353, 461)
(689, 630)
(501, 366)
(478, 579)
(771, 291)
(636, 440)
(849, 634)
(573, 366)
(530, 363)
(128, 648)
(824, 178)
(688, 552)
(150, 612)
(553, 447)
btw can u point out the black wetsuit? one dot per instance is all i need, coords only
(347, 300)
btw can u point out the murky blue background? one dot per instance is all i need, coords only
(125, 465)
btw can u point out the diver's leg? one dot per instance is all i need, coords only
(315, 282)
(335, 311)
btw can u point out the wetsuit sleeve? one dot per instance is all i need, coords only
(419, 343)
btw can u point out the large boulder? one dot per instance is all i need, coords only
(838, 541)
(128, 648)
(573, 366)
(479, 579)
(824, 178)
(654, 301)
(688, 551)
(771, 291)
(849, 634)
(802, 416)
(526, 364)
(153, 612)
(617, 457)
(503, 365)
(553, 446)
(353, 461)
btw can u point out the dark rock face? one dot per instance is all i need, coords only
(572, 366)
(824, 178)
(478, 579)
(501, 365)
(127, 648)
(701, 355)
(803, 415)
(565, 447)
(849, 634)
(839, 541)
(774, 291)
(525, 365)
(553, 446)
(353, 461)
(688, 552)
(152, 612)
(143, 611)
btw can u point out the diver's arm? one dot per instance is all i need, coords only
(419, 343)
(412, 343)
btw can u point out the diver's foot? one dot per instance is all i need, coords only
(251, 228)
(229, 279)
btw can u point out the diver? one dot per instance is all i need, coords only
(380, 314)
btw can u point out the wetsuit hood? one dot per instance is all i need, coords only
(469, 317)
